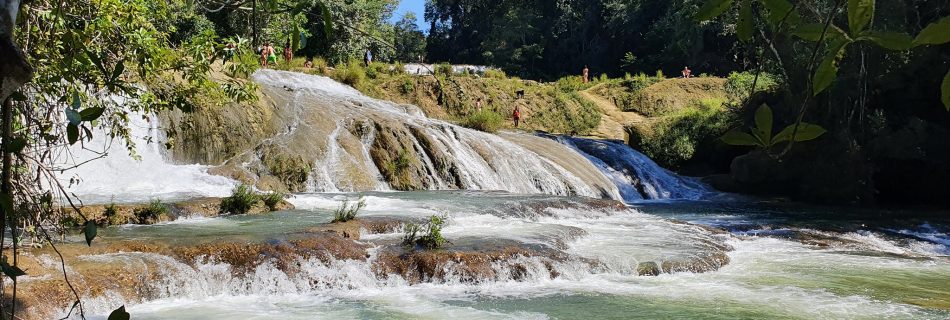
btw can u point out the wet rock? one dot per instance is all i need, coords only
(649, 268)
(116, 214)
(354, 229)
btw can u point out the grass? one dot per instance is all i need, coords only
(675, 139)
(152, 213)
(428, 236)
(495, 74)
(352, 73)
(348, 210)
(485, 120)
(241, 201)
(272, 200)
(739, 84)
(444, 69)
(111, 213)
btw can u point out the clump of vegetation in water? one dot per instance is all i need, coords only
(152, 213)
(484, 120)
(111, 214)
(348, 210)
(272, 200)
(432, 237)
(241, 201)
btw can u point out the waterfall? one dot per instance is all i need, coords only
(636, 175)
(340, 129)
(110, 174)
(346, 138)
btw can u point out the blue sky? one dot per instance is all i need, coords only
(416, 6)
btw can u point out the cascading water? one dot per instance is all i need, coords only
(343, 132)
(636, 175)
(526, 255)
(586, 262)
(109, 174)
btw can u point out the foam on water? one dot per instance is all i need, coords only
(120, 178)
(766, 277)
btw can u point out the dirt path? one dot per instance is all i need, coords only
(612, 125)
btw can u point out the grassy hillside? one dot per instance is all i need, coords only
(674, 120)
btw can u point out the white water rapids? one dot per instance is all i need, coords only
(858, 275)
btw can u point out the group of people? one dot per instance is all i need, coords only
(269, 54)
(585, 74)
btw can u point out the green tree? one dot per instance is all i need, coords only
(409, 41)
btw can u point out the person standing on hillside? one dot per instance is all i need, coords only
(586, 74)
(368, 58)
(516, 115)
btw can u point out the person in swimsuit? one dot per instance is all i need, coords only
(586, 74)
(288, 53)
(271, 55)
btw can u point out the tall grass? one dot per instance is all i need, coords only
(348, 210)
(484, 120)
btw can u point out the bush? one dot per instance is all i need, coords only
(272, 200)
(571, 84)
(444, 69)
(485, 120)
(675, 139)
(659, 75)
(739, 84)
(495, 74)
(376, 69)
(154, 212)
(320, 65)
(295, 63)
(241, 201)
(407, 86)
(351, 74)
(397, 68)
(111, 214)
(432, 239)
(348, 210)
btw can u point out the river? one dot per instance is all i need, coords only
(561, 238)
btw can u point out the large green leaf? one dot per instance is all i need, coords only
(860, 13)
(778, 10)
(712, 9)
(813, 31)
(890, 40)
(945, 91)
(763, 123)
(119, 68)
(10, 271)
(806, 131)
(744, 27)
(739, 138)
(90, 232)
(119, 314)
(91, 114)
(828, 69)
(73, 116)
(72, 133)
(935, 33)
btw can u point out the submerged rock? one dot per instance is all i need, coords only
(649, 268)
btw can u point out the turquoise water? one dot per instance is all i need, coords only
(865, 273)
